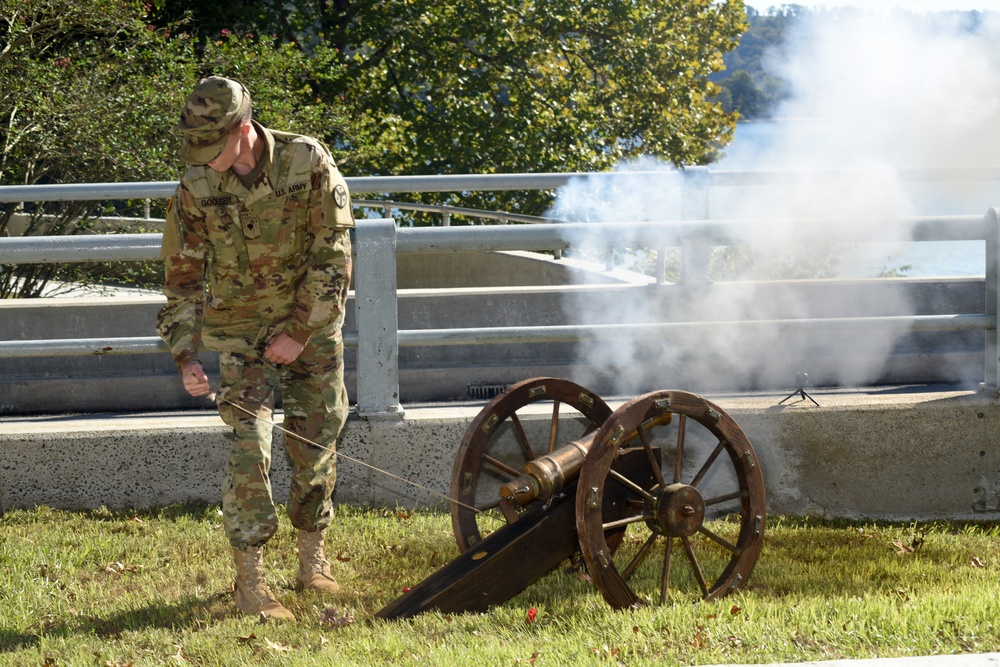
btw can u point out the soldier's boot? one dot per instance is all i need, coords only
(314, 570)
(253, 597)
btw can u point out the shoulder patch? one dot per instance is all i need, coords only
(340, 196)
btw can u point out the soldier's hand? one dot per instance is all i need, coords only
(195, 380)
(283, 350)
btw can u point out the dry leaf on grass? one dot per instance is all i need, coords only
(276, 647)
(179, 656)
(117, 568)
(698, 641)
(331, 617)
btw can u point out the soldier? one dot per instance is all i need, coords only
(263, 217)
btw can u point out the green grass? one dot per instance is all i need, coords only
(153, 588)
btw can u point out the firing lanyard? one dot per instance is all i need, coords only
(215, 396)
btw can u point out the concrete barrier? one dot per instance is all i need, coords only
(896, 453)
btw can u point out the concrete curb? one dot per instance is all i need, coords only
(886, 453)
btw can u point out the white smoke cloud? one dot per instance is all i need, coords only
(871, 95)
(906, 91)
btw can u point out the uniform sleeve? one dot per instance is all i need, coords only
(321, 297)
(183, 252)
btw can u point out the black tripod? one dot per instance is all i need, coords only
(801, 380)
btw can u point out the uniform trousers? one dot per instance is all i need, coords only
(315, 405)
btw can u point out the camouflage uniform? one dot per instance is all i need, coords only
(276, 255)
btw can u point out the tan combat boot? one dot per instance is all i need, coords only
(253, 597)
(314, 570)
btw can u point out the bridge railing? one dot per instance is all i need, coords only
(379, 241)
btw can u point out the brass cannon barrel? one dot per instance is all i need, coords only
(547, 475)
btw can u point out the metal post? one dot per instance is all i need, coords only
(378, 325)
(695, 252)
(991, 373)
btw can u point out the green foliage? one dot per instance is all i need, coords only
(539, 86)
(92, 88)
(292, 90)
(87, 96)
(481, 86)
(91, 94)
(88, 93)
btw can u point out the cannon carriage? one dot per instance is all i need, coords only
(662, 497)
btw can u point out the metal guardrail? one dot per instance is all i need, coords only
(378, 241)
(706, 176)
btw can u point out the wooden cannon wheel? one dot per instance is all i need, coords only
(698, 525)
(496, 447)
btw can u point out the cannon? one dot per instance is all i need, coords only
(662, 498)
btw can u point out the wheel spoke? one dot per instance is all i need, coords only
(638, 558)
(522, 438)
(657, 473)
(665, 579)
(722, 542)
(629, 484)
(694, 565)
(554, 427)
(500, 465)
(708, 463)
(721, 499)
(635, 518)
(679, 454)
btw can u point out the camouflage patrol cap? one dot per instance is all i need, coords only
(216, 106)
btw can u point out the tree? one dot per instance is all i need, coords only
(750, 90)
(79, 103)
(483, 86)
(88, 92)
(396, 87)
(92, 93)
(744, 95)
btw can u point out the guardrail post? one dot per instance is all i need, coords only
(991, 374)
(695, 252)
(375, 310)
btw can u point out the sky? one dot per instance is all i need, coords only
(881, 5)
